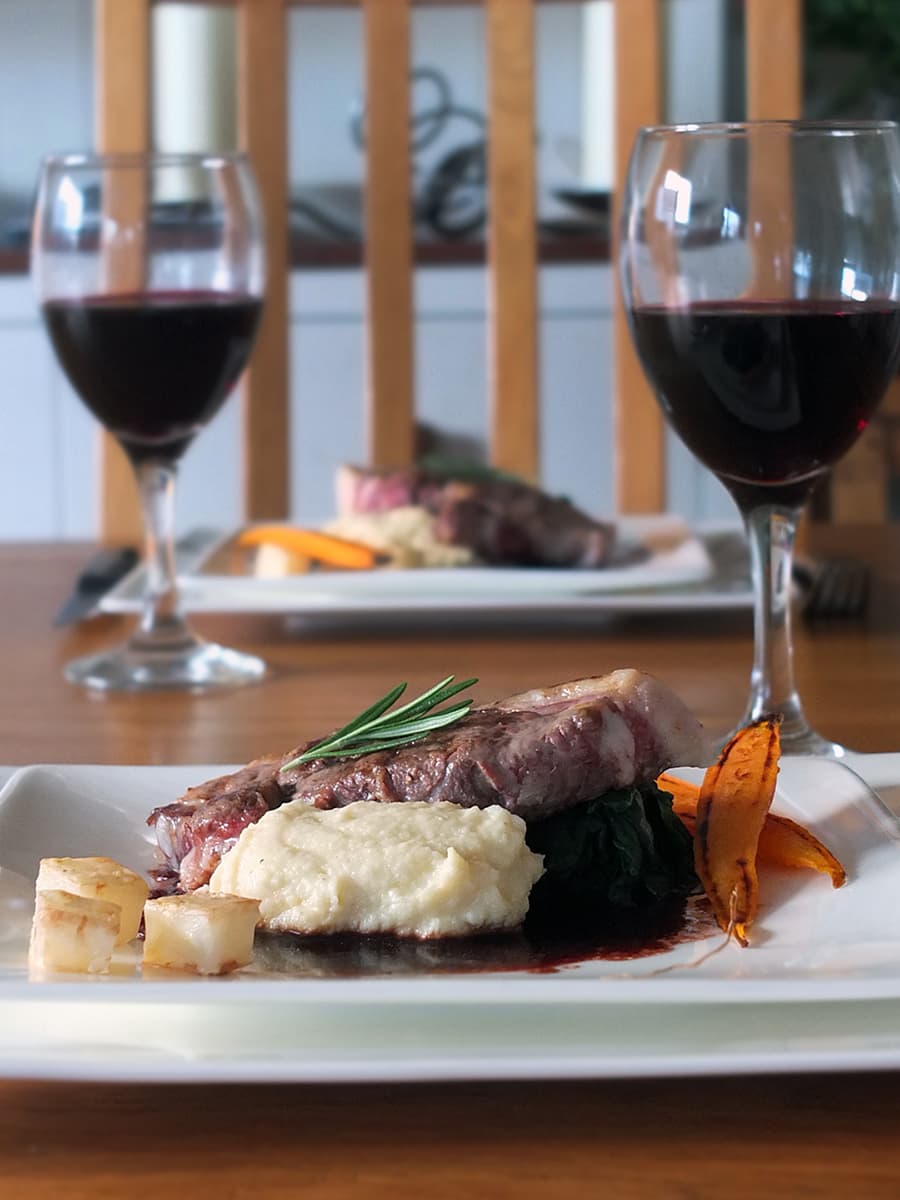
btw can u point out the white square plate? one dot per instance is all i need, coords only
(678, 572)
(818, 987)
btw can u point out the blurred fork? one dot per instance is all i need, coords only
(839, 591)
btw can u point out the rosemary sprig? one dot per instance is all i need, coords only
(379, 729)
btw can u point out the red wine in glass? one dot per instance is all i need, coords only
(154, 367)
(769, 395)
(150, 272)
(759, 265)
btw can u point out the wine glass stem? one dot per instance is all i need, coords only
(162, 625)
(771, 531)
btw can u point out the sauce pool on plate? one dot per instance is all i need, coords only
(548, 942)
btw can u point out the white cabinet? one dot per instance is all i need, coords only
(326, 428)
(327, 343)
(48, 443)
(48, 454)
(29, 448)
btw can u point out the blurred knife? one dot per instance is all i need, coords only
(102, 573)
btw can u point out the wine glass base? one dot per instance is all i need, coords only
(800, 740)
(809, 742)
(196, 666)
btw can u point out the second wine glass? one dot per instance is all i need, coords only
(760, 271)
(149, 272)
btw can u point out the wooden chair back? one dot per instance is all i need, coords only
(773, 73)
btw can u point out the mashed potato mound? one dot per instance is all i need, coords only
(417, 870)
(404, 534)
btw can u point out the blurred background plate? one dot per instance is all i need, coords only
(680, 570)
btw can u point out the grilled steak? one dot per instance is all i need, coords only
(502, 521)
(535, 754)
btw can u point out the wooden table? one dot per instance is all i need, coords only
(779, 1137)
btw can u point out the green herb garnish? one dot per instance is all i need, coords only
(378, 729)
(447, 467)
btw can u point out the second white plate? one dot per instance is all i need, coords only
(680, 572)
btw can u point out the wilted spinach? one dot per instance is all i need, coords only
(625, 849)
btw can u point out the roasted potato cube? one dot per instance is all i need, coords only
(274, 562)
(72, 933)
(207, 934)
(102, 879)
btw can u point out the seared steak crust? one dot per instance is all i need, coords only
(535, 754)
(502, 521)
(195, 831)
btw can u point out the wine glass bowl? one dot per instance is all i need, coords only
(149, 270)
(759, 265)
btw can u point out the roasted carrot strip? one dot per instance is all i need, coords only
(782, 842)
(322, 547)
(684, 795)
(734, 799)
(786, 843)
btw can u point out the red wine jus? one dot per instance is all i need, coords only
(153, 367)
(769, 395)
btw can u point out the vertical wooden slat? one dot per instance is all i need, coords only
(390, 410)
(774, 41)
(860, 483)
(122, 124)
(887, 423)
(262, 124)
(640, 459)
(857, 488)
(512, 238)
(774, 93)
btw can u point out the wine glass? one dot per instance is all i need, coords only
(149, 270)
(759, 264)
